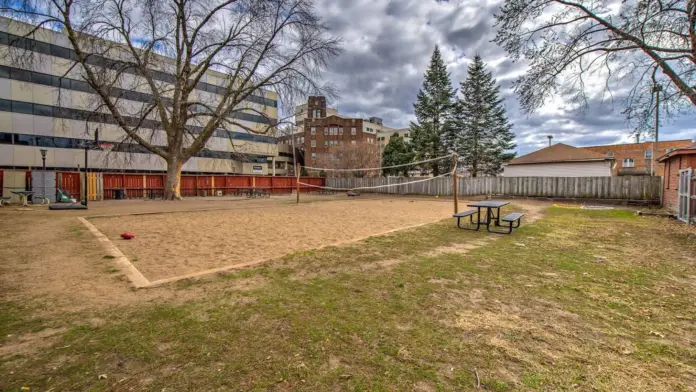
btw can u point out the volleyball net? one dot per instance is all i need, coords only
(371, 172)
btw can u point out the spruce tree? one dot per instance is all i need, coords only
(396, 152)
(482, 135)
(433, 110)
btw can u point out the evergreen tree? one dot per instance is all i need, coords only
(433, 110)
(396, 152)
(482, 133)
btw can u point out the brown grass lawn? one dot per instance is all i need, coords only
(578, 300)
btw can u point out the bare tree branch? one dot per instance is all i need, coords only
(161, 67)
(565, 41)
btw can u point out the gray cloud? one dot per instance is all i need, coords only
(388, 44)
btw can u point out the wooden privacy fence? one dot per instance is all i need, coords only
(143, 185)
(642, 188)
(102, 186)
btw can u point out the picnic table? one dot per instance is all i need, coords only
(252, 192)
(489, 205)
(23, 197)
(491, 217)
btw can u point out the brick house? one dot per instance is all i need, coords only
(679, 159)
(635, 158)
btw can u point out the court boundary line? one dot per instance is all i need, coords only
(139, 281)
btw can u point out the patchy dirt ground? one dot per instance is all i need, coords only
(50, 257)
(577, 300)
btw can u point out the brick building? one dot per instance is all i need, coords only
(323, 130)
(635, 158)
(302, 112)
(679, 159)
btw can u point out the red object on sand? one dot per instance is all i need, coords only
(127, 236)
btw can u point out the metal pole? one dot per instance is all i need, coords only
(297, 183)
(454, 183)
(292, 141)
(86, 163)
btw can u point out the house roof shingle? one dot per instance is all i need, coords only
(559, 152)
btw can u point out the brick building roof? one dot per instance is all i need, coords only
(690, 149)
(559, 152)
(642, 145)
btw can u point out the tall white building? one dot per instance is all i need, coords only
(45, 104)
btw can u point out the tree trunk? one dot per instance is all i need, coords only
(172, 186)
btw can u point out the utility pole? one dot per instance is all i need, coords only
(656, 89)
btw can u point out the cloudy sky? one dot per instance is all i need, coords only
(388, 44)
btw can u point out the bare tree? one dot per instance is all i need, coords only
(584, 47)
(167, 51)
(349, 157)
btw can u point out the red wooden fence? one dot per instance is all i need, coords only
(70, 181)
(140, 185)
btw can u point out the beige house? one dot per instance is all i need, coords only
(384, 135)
(560, 160)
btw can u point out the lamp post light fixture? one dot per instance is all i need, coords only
(43, 157)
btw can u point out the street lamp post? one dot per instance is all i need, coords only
(656, 89)
(87, 146)
(43, 157)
